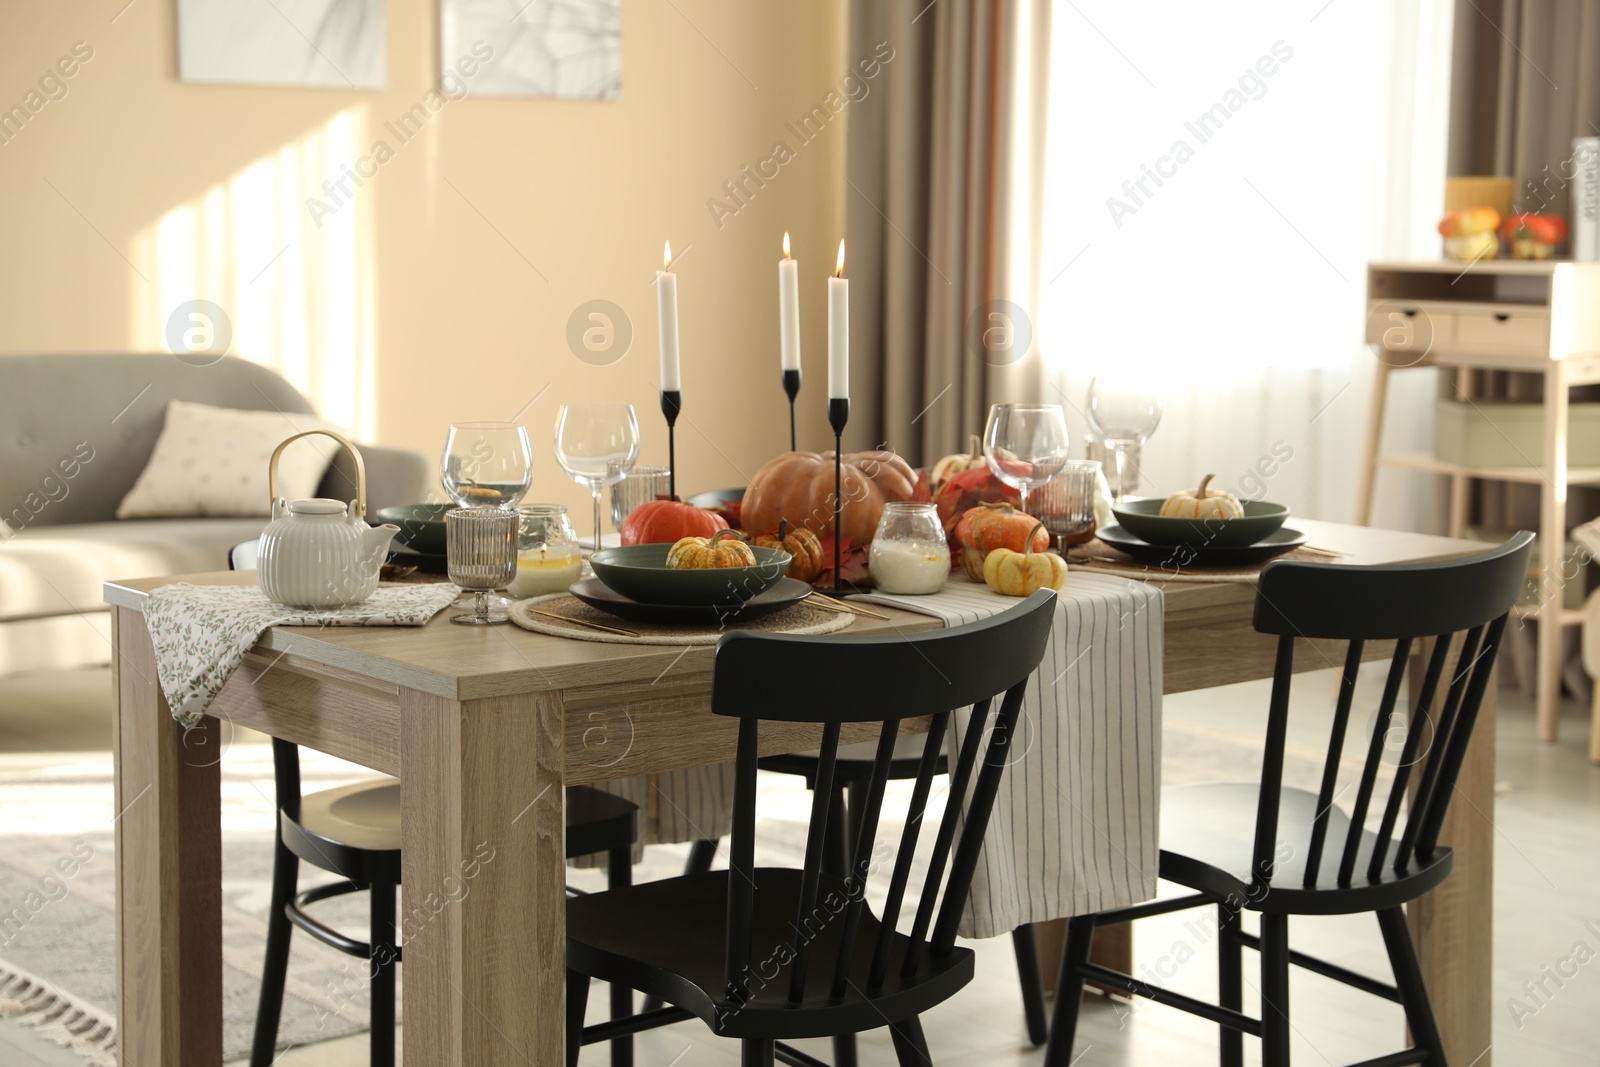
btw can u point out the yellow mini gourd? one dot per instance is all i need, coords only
(1011, 573)
(721, 549)
(1202, 504)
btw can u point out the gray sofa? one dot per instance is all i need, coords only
(59, 535)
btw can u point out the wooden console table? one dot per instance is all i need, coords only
(1494, 315)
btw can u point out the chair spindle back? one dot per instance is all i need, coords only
(1463, 603)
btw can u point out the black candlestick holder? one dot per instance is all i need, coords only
(791, 386)
(671, 404)
(838, 417)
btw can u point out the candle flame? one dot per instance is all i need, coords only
(785, 244)
(666, 255)
(838, 269)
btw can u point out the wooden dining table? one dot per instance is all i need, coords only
(485, 725)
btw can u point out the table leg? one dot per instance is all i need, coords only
(1552, 544)
(1371, 442)
(1453, 926)
(169, 867)
(1113, 948)
(484, 917)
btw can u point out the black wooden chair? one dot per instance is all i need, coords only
(1270, 849)
(354, 831)
(773, 954)
(852, 775)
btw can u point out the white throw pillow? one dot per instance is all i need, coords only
(213, 461)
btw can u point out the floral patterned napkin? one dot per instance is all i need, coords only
(202, 632)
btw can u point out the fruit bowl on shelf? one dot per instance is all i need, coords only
(641, 573)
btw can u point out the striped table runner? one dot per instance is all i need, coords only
(1075, 825)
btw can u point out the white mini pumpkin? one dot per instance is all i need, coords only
(1202, 504)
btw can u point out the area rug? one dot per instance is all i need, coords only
(58, 923)
(58, 919)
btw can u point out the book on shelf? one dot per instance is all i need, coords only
(1585, 207)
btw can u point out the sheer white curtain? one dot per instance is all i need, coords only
(1216, 179)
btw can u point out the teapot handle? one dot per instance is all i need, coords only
(355, 454)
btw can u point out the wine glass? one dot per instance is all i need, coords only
(1124, 412)
(642, 485)
(486, 464)
(597, 444)
(1065, 504)
(1025, 444)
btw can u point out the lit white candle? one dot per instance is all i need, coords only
(839, 332)
(667, 317)
(788, 309)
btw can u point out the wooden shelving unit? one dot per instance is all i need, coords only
(1541, 317)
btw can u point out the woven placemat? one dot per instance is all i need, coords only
(1099, 556)
(800, 618)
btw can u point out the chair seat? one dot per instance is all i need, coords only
(854, 762)
(1208, 838)
(598, 821)
(668, 939)
(354, 830)
(362, 815)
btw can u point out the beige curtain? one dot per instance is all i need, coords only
(937, 153)
(1525, 82)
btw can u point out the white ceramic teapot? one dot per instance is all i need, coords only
(320, 553)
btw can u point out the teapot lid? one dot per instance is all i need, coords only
(317, 506)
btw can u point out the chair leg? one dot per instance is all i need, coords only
(275, 970)
(1274, 991)
(1230, 981)
(836, 853)
(701, 853)
(1069, 991)
(1408, 979)
(619, 875)
(910, 1044)
(836, 839)
(577, 1001)
(383, 965)
(1032, 984)
(754, 1052)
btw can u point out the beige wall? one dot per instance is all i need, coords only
(421, 299)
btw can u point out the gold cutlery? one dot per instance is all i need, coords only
(584, 622)
(854, 608)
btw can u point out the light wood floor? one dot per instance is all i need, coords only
(1547, 868)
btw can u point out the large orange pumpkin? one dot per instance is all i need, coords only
(666, 522)
(798, 487)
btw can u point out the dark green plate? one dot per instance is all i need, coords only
(640, 572)
(787, 591)
(421, 526)
(1142, 518)
(1173, 556)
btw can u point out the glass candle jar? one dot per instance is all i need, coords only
(909, 553)
(548, 560)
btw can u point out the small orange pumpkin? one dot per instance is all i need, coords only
(801, 544)
(990, 526)
(1023, 573)
(724, 548)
